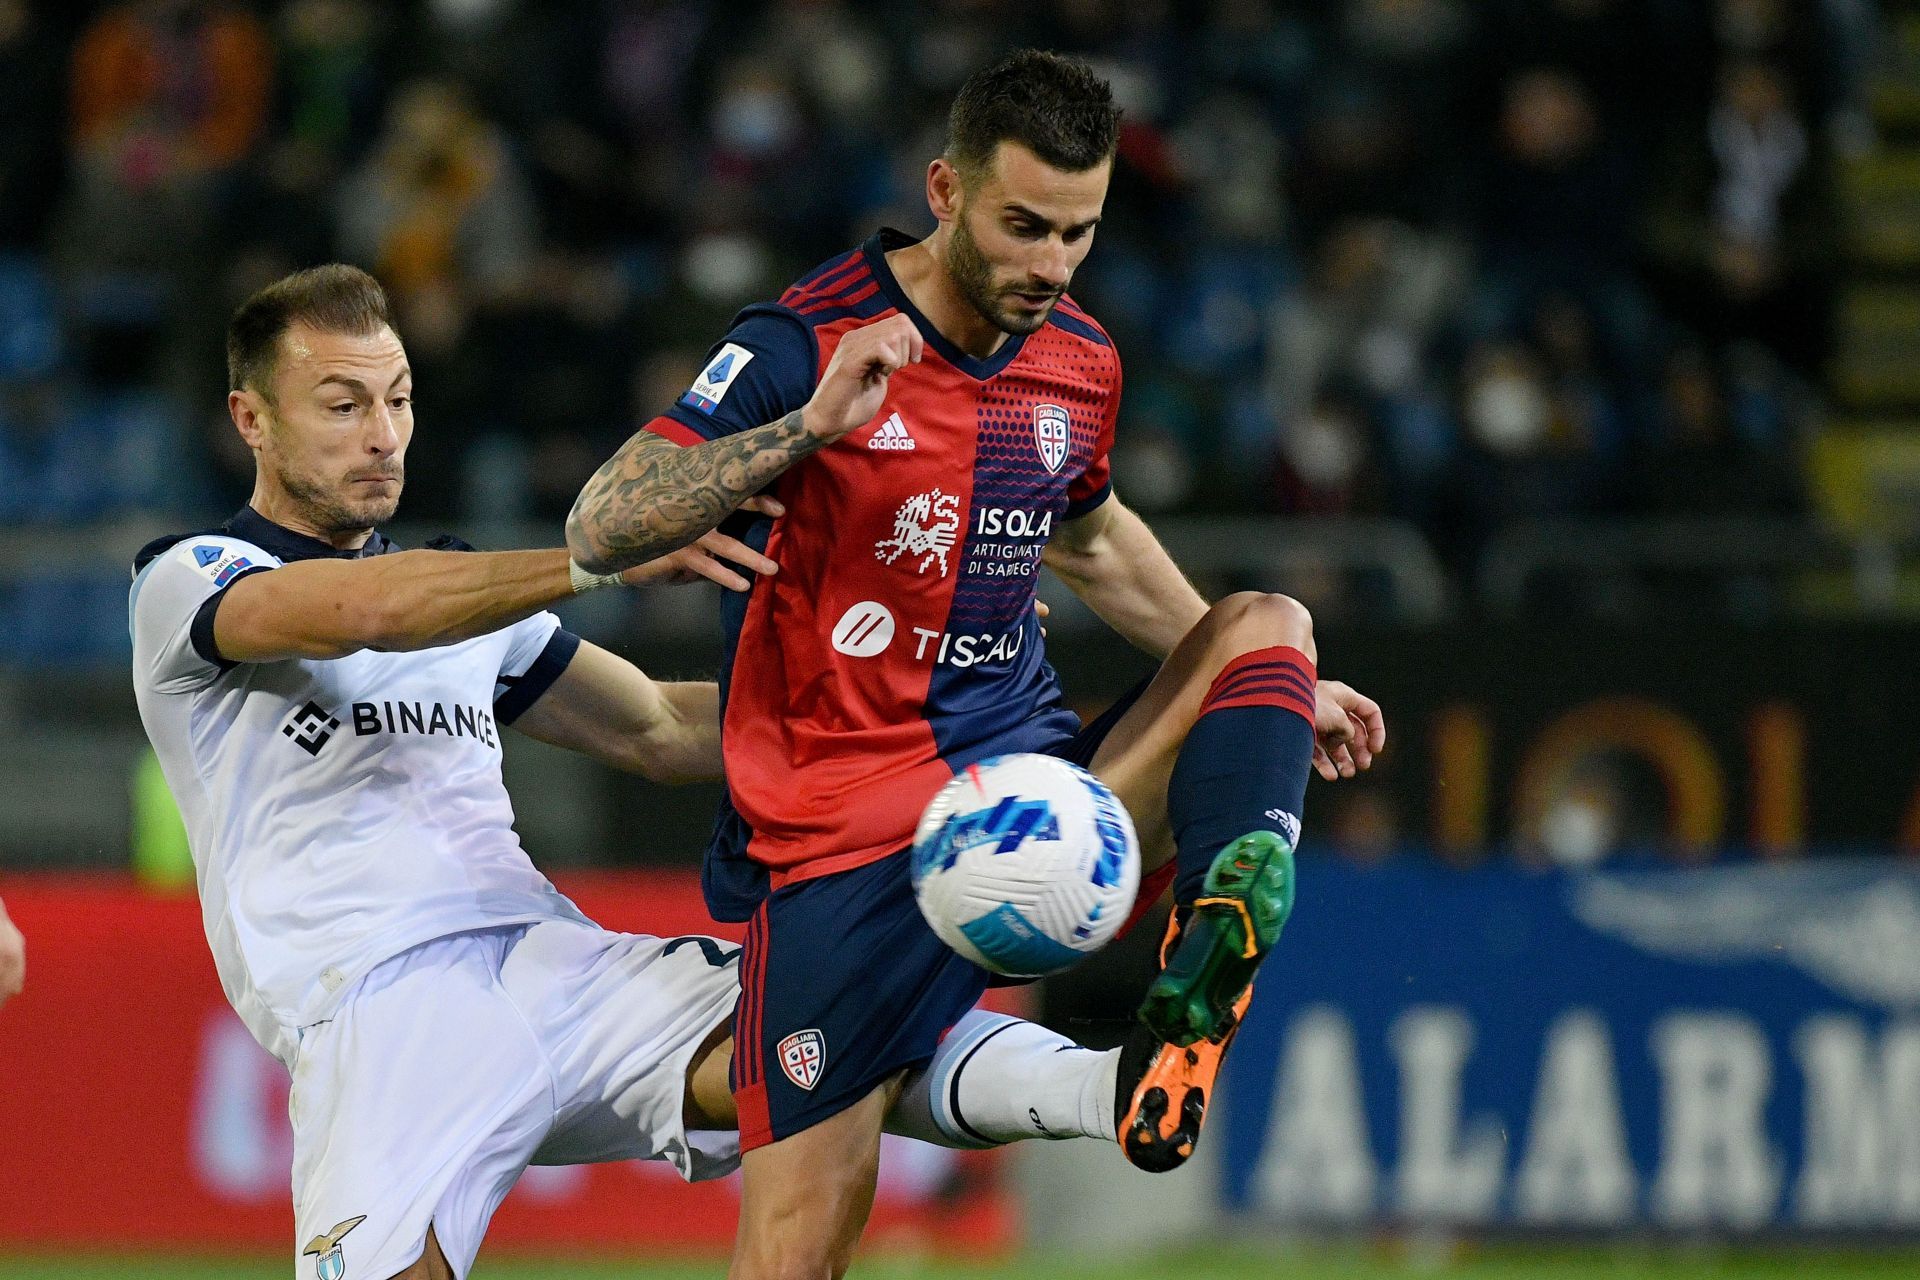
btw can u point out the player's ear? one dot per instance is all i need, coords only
(246, 409)
(943, 189)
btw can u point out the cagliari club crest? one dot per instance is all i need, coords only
(802, 1056)
(1051, 434)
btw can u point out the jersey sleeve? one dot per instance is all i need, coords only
(538, 650)
(172, 606)
(761, 371)
(1095, 485)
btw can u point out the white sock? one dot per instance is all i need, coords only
(997, 1079)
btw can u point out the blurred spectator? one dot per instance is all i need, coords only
(1604, 45)
(330, 79)
(439, 210)
(1325, 463)
(1263, 47)
(167, 97)
(1742, 231)
(1413, 51)
(1553, 217)
(1361, 156)
(1529, 451)
(1699, 462)
(1374, 298)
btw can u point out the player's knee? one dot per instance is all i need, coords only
(1250, 620)
(786, 1247)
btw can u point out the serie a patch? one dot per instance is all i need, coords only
(711, 387)
(219, 564)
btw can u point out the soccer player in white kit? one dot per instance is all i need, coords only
(327, 710)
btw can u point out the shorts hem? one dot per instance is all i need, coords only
(826, 1108)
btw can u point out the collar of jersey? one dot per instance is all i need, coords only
(285, 545)
(876, 249)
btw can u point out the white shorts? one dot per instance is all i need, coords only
(452, 1066)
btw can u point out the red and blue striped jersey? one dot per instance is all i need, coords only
(898, 642)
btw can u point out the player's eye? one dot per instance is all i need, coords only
(344, 408)
(402, 402)
(1078, 234)
(1026, 230)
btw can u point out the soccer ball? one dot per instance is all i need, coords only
(1025, 864)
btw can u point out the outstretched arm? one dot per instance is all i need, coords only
(605, 707)
(420, 599)
(654, 496)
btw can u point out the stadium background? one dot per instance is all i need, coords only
(1561, 354)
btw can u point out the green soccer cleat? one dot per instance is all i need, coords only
(1246, 899)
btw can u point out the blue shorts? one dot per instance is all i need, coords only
(843, 985)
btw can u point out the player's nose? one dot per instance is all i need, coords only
(383, 436)
(1053, 275)
(1054, 265)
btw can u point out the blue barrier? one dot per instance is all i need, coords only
(1720, 1049)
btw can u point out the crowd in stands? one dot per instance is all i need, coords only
(1461, 262)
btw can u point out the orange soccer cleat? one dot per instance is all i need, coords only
(1172, 1057)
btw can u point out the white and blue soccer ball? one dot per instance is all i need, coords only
(1025, 864)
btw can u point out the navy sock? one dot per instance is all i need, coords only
(1245, 763)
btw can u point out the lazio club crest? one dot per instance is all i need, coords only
(1051, 434)
(802, 1055)
(329, 1262)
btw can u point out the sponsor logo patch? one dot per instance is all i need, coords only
(311, 727)
(927, 525)
(893, 435)
(1052, 433)
(864, 630)
(803, 1055)
(711, 387)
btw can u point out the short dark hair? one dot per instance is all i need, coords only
(1054, 106)
(335, 298)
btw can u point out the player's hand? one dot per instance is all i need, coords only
(714, 556)
(13, 958)
(1348, 730)
(1040, 608)
(854, 386)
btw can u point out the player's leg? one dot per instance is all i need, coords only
(1139, 755)
(415, 1107)
(804, 1199)
(844, 989)
(997, 1079)
(1212, 759)
(707, 1100)
(638, 1030)
(431, 1265)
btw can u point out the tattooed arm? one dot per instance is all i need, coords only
(654, 496)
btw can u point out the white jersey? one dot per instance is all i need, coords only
(340, 811)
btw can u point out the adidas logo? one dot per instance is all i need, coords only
(893, 434)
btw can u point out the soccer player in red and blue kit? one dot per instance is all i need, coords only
(954, 409)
